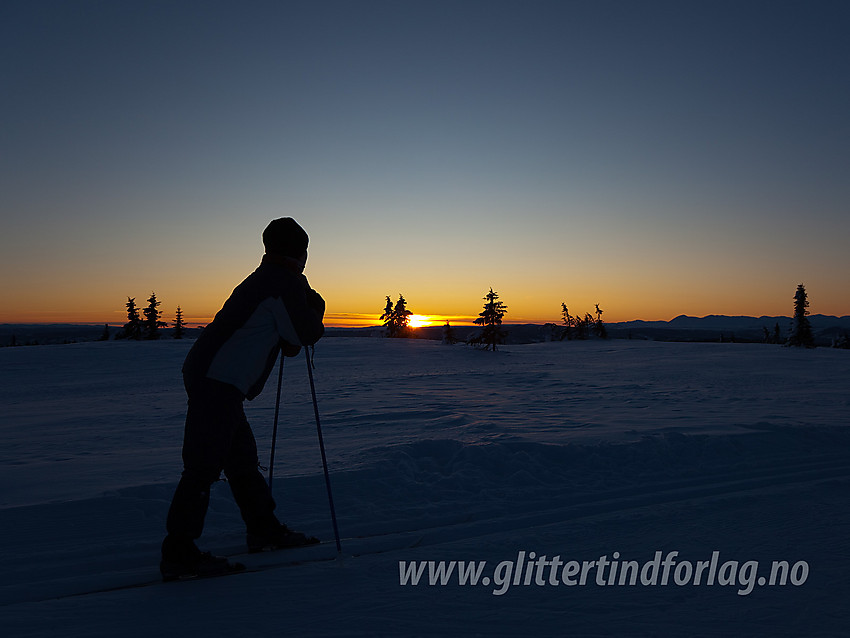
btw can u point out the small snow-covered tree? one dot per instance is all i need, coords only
(133, 328)
(582, 326)
(598, 326)
(396, 317)
(801, 329)
(569, 323)
(104, 336)
(179, 326)
(491, 321)
(387, 316)
(152, 323)
(449, 337)
(402, 316)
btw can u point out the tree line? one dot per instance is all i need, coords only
(396, 318)
(147, 325)
(579, 327)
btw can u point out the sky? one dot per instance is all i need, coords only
(656, 158)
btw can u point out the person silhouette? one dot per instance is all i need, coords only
(273, 312)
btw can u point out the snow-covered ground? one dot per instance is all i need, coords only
(574, 450)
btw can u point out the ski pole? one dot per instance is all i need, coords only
(324, 458)
(276, 413)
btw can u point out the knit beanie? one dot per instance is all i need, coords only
(285, 237)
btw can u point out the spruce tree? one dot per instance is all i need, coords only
(396, 318)
(491, 320)
(133, 328)
(152, 323)
(387, 317)
(598, 326)
(401, 315)
(569, 323)
(179, 326)
(801, 329)
(104, 336)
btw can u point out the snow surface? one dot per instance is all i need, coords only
(572, 449)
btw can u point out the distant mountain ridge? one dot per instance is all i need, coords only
(711, 328)
(727, 322)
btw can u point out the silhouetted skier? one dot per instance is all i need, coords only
(274, 309)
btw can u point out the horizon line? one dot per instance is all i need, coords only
(361, 321)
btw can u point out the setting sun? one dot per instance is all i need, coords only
(418, 321)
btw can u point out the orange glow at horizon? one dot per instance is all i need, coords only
(363, 320)
(104, 305)
(418, 321)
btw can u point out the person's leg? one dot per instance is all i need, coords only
(250, 489)
(252, 494)
(213, 412)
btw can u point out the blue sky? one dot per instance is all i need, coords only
(658, 158)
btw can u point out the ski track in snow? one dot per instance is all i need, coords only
(437, 453)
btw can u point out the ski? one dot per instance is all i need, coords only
(251, 563)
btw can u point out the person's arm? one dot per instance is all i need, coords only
(306, 309)
(316, 303)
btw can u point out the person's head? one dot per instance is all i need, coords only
(285, 238)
